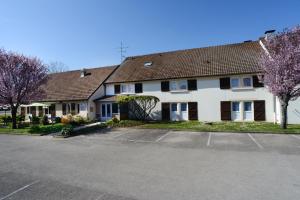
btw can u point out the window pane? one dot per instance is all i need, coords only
(247, 106)
(103, 110)
(183, 106)
(183, 85)
(235, 83)
(247, 82)
(174, 106)
(108, 108)
(173, 85)
(115, 108)
(236, 106)
(131, 88)
(124, 88)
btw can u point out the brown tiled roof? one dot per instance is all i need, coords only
(70, 86)
(107, 98)
(229, 59)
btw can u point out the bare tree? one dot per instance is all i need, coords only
(56, 67)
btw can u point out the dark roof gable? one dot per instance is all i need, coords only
(238, 58)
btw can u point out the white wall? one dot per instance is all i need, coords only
(91, 104)
(294, 112)
(208, 95)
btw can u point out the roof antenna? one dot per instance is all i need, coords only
(122, 50)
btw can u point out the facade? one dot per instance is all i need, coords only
(71, 92)
(218, 83)
(208, 84)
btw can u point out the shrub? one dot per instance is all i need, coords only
(57, 120)
(20, 118)
(78, 120)
(45, 120)
(115, 120)
(67, 131)
(46, 129)
(36, 120)
(6, 119)
(67, 119)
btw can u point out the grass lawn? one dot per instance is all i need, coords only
(38, 129)
(257, 127)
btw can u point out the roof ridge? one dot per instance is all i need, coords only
(76, 70)
(181, 50)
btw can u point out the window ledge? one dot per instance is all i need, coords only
(179, 91)
(242, 88)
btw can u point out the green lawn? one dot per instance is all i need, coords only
(37, 129)
(258, 127)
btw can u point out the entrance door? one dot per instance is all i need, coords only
(105, 111)
(236, 111)
(174, 112)
(183, 112)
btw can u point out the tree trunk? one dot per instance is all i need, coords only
(284, 106)
(14, 116)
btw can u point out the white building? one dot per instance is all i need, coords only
(217, 83)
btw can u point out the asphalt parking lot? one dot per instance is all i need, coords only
(149, 164)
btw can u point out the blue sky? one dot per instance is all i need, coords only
(87, 33)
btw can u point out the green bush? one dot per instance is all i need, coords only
(20, 118)
(57, 120)
(79, 120)
(6, 119)
(35, 120)
(46, 129)
(45, 120)
(67, 131)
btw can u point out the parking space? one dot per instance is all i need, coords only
(19, 186)
(212, 140)
(236, 141)
(185, 139)
(128, 164)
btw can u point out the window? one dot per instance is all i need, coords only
(173, 85)
(183, 85)
(248, 114)
(178, 85)
(127, 88)
(108, 110)
(174, 107)
(235, 106)
(235, 83)
(247, 82)
(247, 106)
(103, 110)
(243, 82)
(183, 106)
(115, 108)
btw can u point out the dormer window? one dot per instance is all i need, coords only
(147, 64)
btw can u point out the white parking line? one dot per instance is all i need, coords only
(18, 190)
(254, 140)
(209, 139)
(162, 137)
(296, 136)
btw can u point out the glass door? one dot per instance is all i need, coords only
(106, 111)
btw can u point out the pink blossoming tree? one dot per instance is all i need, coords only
(20, 80)
(281, 67)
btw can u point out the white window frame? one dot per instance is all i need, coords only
(241, 82)
(130, 88)
(177, 84)
(242, 110)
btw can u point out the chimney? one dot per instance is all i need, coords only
(269, 33)
(83, 73)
